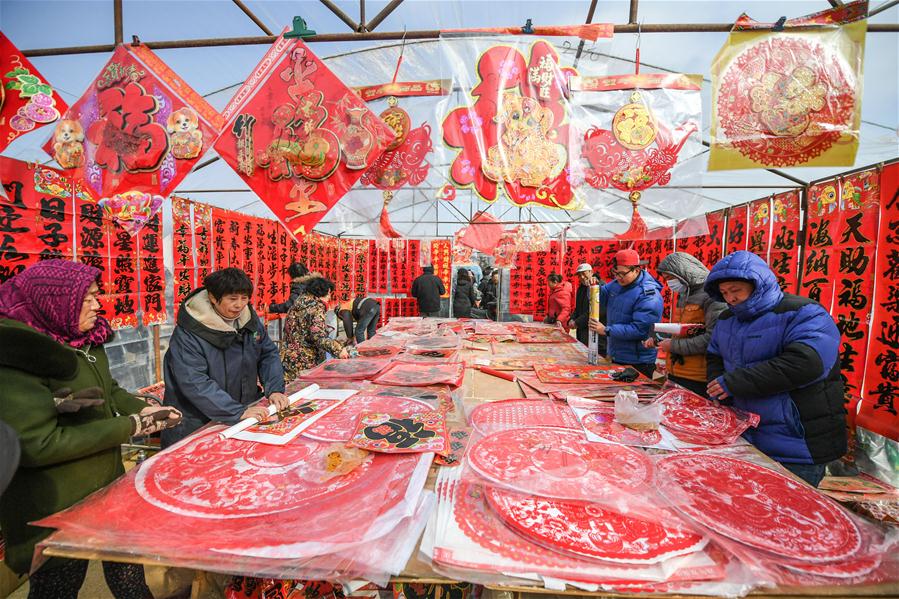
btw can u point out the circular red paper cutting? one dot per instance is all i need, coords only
(521, 413)
(695, 419)
(602, 424)
(559, 463)
(589, 530)
(758, 507)
(210, 477)
(340, 423)
(785, 101)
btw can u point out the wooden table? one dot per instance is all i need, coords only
(479, 388)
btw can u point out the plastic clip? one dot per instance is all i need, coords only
(528, 27)
(779, 26)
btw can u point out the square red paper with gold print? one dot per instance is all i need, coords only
(298, 136)
(134, 135)
(406, 433)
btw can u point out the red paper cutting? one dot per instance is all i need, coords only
(602, 424)
(591, 531)
(355, 369)
(298, 136)
(509, 414)
(560, 463)
(417, 375)
(340, 423)
(573, 373)
(758, 507)
(695, 419)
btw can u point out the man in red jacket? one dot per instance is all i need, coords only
(558, 304)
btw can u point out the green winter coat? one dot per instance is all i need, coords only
(65, 457)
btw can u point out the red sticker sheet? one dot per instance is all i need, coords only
(402, 433)
(289, 424)
(340, 423)
(298, 136)
(758, 507)
(574, 373)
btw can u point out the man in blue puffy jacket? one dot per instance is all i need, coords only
(777, 355)
(632, 305)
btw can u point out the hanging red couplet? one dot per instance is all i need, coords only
(784, 256)
(35, 216)
(152, 277)
(854, 274)
(441, 257)
(705, 247)
(737, 237)
(818, 264)
(760, 227)
(298, 136)
(879, 411)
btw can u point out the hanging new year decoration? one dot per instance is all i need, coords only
(133, 136)
(652, 118)
(791, 95)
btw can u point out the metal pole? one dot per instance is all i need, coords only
(117, 21)
(157, 352)
(396, 35)
(253, 17)
(362, 16)
(632, 18)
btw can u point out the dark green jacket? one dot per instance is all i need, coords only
(65, 457)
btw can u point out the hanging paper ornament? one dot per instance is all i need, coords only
(135, 134)
(514, 136)
(638, 149)
(789, 97)
(403, 161)
(26, 99)
(298, 136)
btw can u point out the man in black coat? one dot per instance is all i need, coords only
(427, 289)
(580, 317)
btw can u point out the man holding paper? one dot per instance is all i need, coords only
(217, 353)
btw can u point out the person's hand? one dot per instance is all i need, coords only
(649, 343)
(597, 327)
(260, 413)
(570, 325)
(344, 354)
(68, 402)
(715, 389)
(665, 345)
(279, 400)
(153, 419)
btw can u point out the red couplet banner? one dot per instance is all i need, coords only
(878, 411)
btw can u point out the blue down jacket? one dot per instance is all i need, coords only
(211, 370)
(630, 313)
(778, 355)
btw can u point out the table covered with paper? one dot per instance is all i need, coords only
(570, 477)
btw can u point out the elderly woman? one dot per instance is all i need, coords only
(306, 338)
(69, 413)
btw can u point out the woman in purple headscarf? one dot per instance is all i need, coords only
(70, 415)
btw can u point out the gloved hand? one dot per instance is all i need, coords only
(153, 419)
(628, 375)
(68, 402)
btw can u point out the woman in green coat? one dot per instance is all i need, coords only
(70, 416)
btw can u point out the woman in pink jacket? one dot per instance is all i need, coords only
(558, 304)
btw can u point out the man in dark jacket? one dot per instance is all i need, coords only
(464, 298)
(216, 354)
(581, 315)
(777, 355)
(427, 289)
(633, 303)
(297, 272)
